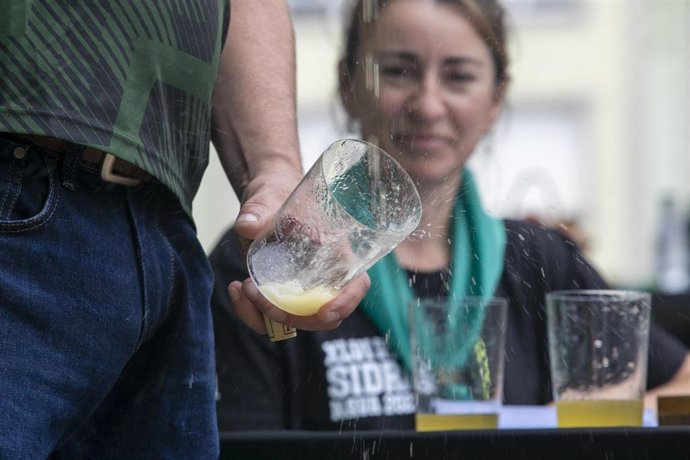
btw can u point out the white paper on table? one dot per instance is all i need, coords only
(545, 417)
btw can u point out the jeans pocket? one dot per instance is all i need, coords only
(29, 189)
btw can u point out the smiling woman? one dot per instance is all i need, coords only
(427, 92)
(429, 88)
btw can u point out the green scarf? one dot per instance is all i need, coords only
(478, 246)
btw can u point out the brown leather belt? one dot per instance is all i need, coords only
(112, 169)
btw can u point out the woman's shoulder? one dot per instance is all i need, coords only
(547, 256)
(527, 238)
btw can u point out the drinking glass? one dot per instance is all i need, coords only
(354, 205)
(598, 342)
(458, 349)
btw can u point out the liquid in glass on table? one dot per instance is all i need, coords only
(457, 361)
(598, 341)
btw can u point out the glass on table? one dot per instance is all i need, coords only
(354, 206)
(598, 341)
(458, 348)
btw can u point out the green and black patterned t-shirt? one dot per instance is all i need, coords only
(131, 77)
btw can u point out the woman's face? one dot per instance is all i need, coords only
(435, 97)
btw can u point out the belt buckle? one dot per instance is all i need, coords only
(108, 175)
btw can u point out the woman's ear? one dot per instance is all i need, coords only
(346, 89)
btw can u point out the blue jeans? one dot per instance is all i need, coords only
(106, 349)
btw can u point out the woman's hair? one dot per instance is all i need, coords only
(487, 17)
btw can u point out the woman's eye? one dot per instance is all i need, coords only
(395, 71)
(459, 77)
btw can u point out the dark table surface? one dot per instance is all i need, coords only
(661, 443)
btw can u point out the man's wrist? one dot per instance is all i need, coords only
(278, 163)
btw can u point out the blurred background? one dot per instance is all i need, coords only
(595, 138)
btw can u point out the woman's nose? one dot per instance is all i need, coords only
(427, 102)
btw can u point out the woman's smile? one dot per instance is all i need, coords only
(422, 141)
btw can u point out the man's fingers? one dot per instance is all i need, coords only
(345, 303)
(244, 309)
(251, 304)
(263, 197)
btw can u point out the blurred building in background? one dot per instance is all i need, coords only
(596, 130)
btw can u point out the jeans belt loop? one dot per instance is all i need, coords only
(70, 163)
(108, 175)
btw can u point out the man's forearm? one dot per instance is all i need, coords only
(255, 128)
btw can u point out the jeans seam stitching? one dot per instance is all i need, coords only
(139, 255)
(173, 272)
(16, 172)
